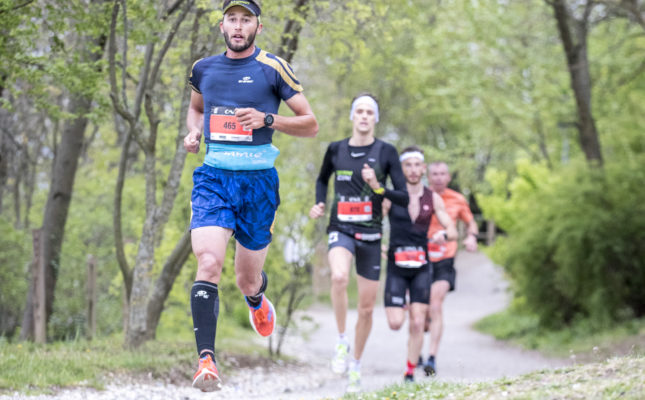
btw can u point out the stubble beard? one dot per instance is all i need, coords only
(240, 48)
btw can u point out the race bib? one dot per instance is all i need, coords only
(354, 209)
(409, 257)
(436, 250)
(224, 126)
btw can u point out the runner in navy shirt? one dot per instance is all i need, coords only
(408, 265)
(361, 165)
(234, 103)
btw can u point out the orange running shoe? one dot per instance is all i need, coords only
(206, 378)
(263, 317)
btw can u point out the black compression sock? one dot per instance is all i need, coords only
(204, 304)
(254, 301)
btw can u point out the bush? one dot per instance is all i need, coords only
(576, 240)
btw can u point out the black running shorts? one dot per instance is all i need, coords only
(444, 270)
(366, 253)
(399, 280)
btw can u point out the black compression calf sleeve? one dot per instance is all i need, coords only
(254, 301)
(204, 304)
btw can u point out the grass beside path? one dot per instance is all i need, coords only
(622, 378)
(580, 341)
(31, 368)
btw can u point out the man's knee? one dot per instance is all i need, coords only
(417, 323)
(249, 284)
(339, 280)
(209, 266)
(436, 308)
(365, 311)
(395, 324)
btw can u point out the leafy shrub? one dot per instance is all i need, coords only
(576, 240)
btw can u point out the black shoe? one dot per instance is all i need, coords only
(408, 378)
(429, 367)
(420, 362)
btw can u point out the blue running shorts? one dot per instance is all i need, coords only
(244, 201)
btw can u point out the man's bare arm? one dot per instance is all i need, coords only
(303, 124)
(194, 122)
(444, 218)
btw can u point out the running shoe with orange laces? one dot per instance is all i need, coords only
(262, 317)
(206, 378)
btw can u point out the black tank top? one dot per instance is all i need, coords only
(404, 232)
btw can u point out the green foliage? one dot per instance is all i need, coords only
(581, 339)
(576, 243)
(15, 252)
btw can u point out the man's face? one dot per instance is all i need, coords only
(364, 118)
(439, 176)
(413, 169)
(239, 28)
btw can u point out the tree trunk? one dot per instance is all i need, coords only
(60, 192)
(573, 34)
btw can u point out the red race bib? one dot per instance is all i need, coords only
(355, 211)
(409, 257)
(436, 250)
(224, 126)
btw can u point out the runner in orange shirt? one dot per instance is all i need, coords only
(442, 253)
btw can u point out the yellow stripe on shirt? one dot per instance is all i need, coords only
(278, 66)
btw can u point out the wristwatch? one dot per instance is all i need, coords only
(268, 120)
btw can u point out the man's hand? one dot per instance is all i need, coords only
(369, 176)
(250, 118)
(439, 237)
(317, 211)
(191, 141)
(470, 242)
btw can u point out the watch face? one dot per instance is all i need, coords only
(268, 120)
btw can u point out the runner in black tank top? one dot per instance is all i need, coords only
(408, 268)
(361, 165)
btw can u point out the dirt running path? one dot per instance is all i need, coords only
(465, 355)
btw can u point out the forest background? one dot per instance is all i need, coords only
(537, 106)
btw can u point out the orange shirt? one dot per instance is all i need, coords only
(457, 208)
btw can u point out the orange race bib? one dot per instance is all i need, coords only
(354, 209)
(436, 250)
(409, 257)
(224, 126)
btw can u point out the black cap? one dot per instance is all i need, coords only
(250, 5)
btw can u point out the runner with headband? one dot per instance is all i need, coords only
(408, 267)
(234, 103)
(361, 165)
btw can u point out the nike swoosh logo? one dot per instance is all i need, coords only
(357, 154)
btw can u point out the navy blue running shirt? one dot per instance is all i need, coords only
(259, 81)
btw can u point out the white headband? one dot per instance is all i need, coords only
(411, 154)
(364, 99)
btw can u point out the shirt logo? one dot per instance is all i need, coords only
(426, 207)
(371, 159)
(246, 79)
(356, 155)
(343, 175)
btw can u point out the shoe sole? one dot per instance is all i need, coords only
(338, 370)
(275, 320)
(429, 370)
(207, 381)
